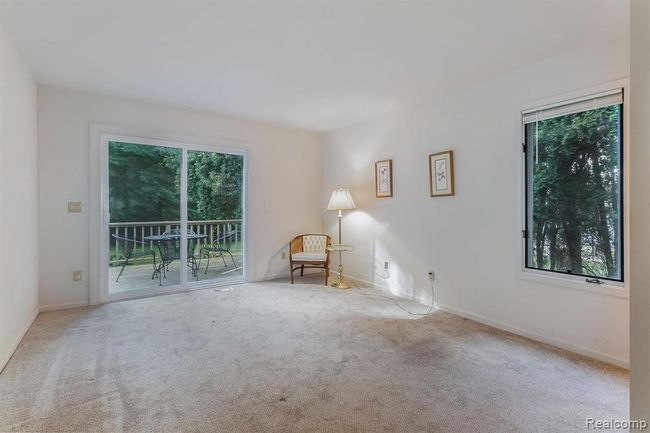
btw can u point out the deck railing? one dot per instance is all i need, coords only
(215, 229)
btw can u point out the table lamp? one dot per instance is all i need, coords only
(340, 200)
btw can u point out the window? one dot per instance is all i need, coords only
(574, 187)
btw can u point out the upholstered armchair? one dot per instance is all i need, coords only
(309, 251)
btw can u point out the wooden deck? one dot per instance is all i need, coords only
(137, 277)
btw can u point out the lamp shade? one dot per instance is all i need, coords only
(341, 199)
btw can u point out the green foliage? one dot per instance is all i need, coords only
(574, 162)
(214, 186)
(145, 184)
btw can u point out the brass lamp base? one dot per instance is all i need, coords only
(340, 284)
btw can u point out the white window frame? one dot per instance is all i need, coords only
(609, 288)
(100, 135)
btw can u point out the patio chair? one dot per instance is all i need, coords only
(309, 251)
(221, 246)
(131, 253)
(170, 250)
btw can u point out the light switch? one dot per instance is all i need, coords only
(76, 276)
(74, 206)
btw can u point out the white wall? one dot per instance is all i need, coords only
(284, 183)
(18, 199)
(640, 224)
(472, 241)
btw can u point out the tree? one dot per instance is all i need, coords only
(574, 160)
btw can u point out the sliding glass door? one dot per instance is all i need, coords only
(214, 210)
(173, 216)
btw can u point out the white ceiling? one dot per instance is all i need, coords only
(317, 65)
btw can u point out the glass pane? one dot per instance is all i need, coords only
(574, 193)
(214, 213)
(144, 202)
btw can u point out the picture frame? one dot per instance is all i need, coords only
(384, 178)
(441, 174)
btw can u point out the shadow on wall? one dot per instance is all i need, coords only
(381, 245)
(276, 266)
(376, 242)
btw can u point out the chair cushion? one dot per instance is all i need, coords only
(314, 244)
(309, 257)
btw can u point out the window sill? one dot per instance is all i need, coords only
(608, 288)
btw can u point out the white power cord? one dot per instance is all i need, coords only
(430, 307)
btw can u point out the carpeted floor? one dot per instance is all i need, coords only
(271, 357)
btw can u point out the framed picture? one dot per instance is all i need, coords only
(384, 178)
(441, 174)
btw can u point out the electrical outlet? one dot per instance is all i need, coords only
(385, 265)
(432, 275)
(76, 276)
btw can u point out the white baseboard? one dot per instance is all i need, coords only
(581, 350)
(65, 306)
(7, 356)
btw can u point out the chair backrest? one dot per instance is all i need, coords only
(310, 243)
(170, 249)
(227, 240)
(128, 243)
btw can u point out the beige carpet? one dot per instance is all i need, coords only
(273, 357)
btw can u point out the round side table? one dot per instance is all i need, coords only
(340, 284)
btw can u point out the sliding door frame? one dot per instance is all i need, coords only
(100, 136)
